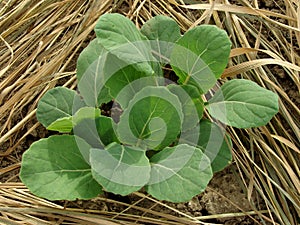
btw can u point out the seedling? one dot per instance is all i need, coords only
(130, 127)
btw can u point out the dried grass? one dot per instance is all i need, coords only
(40, 41)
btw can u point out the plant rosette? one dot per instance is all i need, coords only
(154, 135)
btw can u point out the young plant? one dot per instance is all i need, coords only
(131, 127)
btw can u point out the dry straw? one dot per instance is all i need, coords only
(39, 44)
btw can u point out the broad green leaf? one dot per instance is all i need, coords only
(179, 173)
(63, 125)
(120, 37)
(119, 55)
(85, 113)
(120, 169)
(125, 83)
(90, 67)
(113, 30)
(212, 140)
(87, 57)
(106, 128)
(92, 73)
(243, 104)
(98, 132)
(54, 168)
(152, 119)
(66, 124)
(192, 104)
(163, 33)
(57, 103)
(161, 28)
(200, 56)
(105, 75)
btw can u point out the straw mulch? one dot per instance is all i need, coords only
(39, 44)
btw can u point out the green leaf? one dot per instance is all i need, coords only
(106, 128)
(57, 103)
(86, 113)
(161, 28)
(119, 56)
(243, 104)
(113, 30)
(120, 169)
(178, 173)
(152, 119)
(54, 168)
(212, 140)
(66, 124)
(200, 56)
(105, 75)
(163, 33)
(192, 104)
(120, 37)
(63, 125)
(88, 56)
(92, 73)
(98, 132)
(125, 83)
(90, 66)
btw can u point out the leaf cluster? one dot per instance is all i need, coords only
(156, 136)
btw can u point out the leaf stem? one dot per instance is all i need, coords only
(187, 80)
